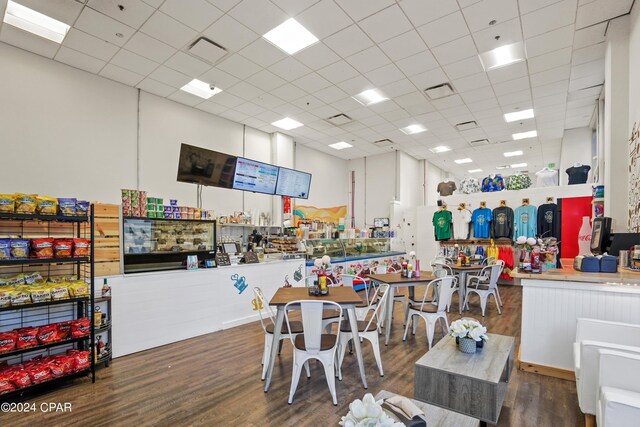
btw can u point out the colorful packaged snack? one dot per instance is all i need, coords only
(19, 248)
(8, 341)
(6, 385)
(80, 327)
(59, 291)
(42, 248)
(48, 334)
(5, 248)
(62, 248)
(5, 296)
(81, 247)
(20, 377)
(19, 297)
(39, 293)
(61, 365)
(25, 203)
(67, 206)
(13, 280)
(64, 329)
(82, 208)
(81, 359)
(7, 203)
(46, 205)
(78, 289)
(39, 373)
(27, 337)
(33, 278)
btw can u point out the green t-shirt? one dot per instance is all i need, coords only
(442, 224)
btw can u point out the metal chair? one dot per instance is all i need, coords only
(486, 284)
(431, 312)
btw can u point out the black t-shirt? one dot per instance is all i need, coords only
(579, 174)
(548, 221)
(502, 224)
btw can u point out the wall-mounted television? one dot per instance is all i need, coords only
(206, 167)
(251, 175)
(293, 183)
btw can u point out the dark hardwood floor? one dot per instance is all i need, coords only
(214, 380)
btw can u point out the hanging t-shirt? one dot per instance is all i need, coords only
(461, 220)
(518, 182)
(502, 224)
(578, 174)
(548, 221)
(469, 185)
(446, 188)
(490, 184)
(481, 219)
(547, 178)
(442, 224)
(525, 219)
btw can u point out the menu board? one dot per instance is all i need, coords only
(255, 176)
(293, 183)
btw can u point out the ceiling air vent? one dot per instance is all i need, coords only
(467, 125)
(479, 142)
(339, 119)
(207, 50)
(382, 143)
(439, 91)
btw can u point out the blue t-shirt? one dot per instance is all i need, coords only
(525, 218)
(481, 219)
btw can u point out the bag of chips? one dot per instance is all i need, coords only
(81, 247)
(33, 278)
(25, 203)
(19, 248)
(42, 248)
(19, 297)
(39, 293)
(80, 327)
(20, 377)
(27, 337)
(82, 208)
(61, 365)
(13, 280)
(5, 248)
(46, 205)
(67, 206)
(8, 341)
(64, 329)
(6, 385)
(5, 296)
(48, 334)
(7, 203)
(78, 289)
(62, 248)
(59, 291)
(81, 359)
(39, 373)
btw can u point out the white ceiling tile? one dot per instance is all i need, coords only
(444, 30)
(472, 82)
(79, 60)
(234, 116)
(590, 68)
(448, 102)
(480, 14)
(219, 78)
(510, 72)
(486, 106)
(27, 41)
(307, 103)
(289, 68)
(549, 18)
(384, 75)
(262, 53)
(103, 27)
(121, 75)
(348, 41)
(261, 17)
(168, 30)
(590, 35)
(238, 66)
(387, 23)
(466, 67)
(224, 5)
(330, 94)
(311, 82)
(601, 10)
(508, 32)
(288, 110)
(455, 51)
(550, 60)
(254, 123)
(477, 95)
(338, 72)
(227, 99)
(368, 59)
(515, 97)
(230, 34)
(149, 47)
(429, 78)
(585, 82)
(170, 77)
(269, 116)
(551, 76)
(245, 90)
(133, 12)
(349, 104)
(266, 80)
(90, 45)
(550, 89)
(510, 86)
(133, 62)
(197, 14)
(155, 87)
(422, 11)
(155, 3)
(294, 7)
(266, 100)
(187, 64)
(317, 56)
(359, 9)
(418, 63)
(383, 107)
(403, 46)
(589, 53)
(249, 108)
(546, 101)
(581, 103)
(401, 87)
(527, 6)
(288, 92)
(324, 18)
(548, 42)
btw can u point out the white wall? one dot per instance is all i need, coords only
(576, 148)
(357, 166)
(381, 183)
(329, 177)
(634, 66)
(434, 175)
(411, 181)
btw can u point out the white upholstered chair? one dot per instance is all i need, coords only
(618, 401)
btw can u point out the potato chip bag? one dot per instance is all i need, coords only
(7, 203)
(78, 289)
(25, 203)
(46, 205)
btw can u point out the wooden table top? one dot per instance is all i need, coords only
(338, 294)
(396, 278)
(465, 267)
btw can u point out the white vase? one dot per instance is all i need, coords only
(584, 237)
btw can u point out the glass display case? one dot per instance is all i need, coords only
(366, 246)
(282, 247)
(317, 248)
(151, 244)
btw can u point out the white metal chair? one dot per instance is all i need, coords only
(366, 330)
(268, 326)
(431, 312)
(397, 297)
(618, 390)
(486, 285)
(363, 308)
(312, 343)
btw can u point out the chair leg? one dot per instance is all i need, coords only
(483, 303)
(495, 297)
(431, 328)
(498, 295)
(280, 347)
(331, 379)
(342, 348)
(266, 354)
(446, 322)
(375, 343)
(406, 328)
(414, 320)
(404, 307)
(306, 368)
(295, 377)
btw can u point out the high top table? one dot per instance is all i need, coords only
(462, 271)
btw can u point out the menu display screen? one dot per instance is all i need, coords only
(255, 176)
(293, 183)
(205, 167)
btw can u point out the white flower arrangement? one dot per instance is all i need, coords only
(469, 328)
(367, 413)
(322, 264)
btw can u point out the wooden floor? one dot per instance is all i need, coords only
(214, 380)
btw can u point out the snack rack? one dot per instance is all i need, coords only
(28, 226)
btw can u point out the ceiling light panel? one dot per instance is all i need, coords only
(463, 161)
(440, 149)
(287, 124)
(518, 115)
(411, 129)
(202, 89)
(523, 135)
(290, 36)
(502, 56)
(340, 145)
(35, 22)
(513, 153)
(474, 170)
(370, 97)
(518, 165)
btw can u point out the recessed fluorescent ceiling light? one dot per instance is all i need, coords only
(474, 170)
(518, 165)
(503, 55)
(518, 115)
(513, 153)
(440, 149)
(287, 124)
(34, 22)
(462, 161)
(340, 145)
(369, 97)
(523, 135)
(290, 36)
(202, 89)
(411, 129)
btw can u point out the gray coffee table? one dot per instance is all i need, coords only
(471, 384)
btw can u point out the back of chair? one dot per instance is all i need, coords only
(445, 292)
(496, 270)
(263, 304)
(441, 270)
(382, 293)
(312, 321)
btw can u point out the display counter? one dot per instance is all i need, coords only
(553, 301)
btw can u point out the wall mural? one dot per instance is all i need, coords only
(634, 178)
(311, 213)
(239, 282)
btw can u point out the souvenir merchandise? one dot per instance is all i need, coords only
(446, 188)
(461, 220)
(469, 185)
(442, 223)
(492, 183)
(578, 174)
(548, 221)
(525, 219)
(481, 219)
(546, 177)
(502, 224)
(518, 182)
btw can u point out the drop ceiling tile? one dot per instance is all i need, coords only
(249, 108)
(187, 64)
(288, 92)
(230, 34)
(589, 68)
(289, 69)
(466, 67)
(330, 94)
(234, 116)
(266, 80)
(348, 41)
(422, 11)
(133, 62)
(419, 109)
(549, 60)
(384, 75)
(383, 107)
(360, 9)
(589, 53)
(262, 53)
(585, 82)
(511, 86)
(261, 17)
(103, 27)
(170, 77)
(559, 98)
(219, 78)
(416, 64)
(154, 3)
(288, 110)
(548, 42)
(368, 59)
(387, 23)
(121, 75)
(515, 97)
(472, 82)
(267, 101)
(90, 45)
(155, 87)
(168, 30)
(550, 89)
(411, 99)
(238, 66)
(254, 123)
(448, 102)
(197, 14)
(269, 116)
(484, 108)
(149, 47)
(477, 95)
(317, 56)
(403, 46)
(551, 76)
(27, 41)
(294, 7)
(224, 5)
(429, 78)
(401, 87)
(590, 35)
(480, 14)
(349, 104)
(79, 60)
(245, 90)
(133, 14)
(227, 99)
(508, 32)
(324, 18)
(443, 30)
(511, 72)
(338, 72)
(549, 18)
(311, 82)
(306, 104)
(455, 51)
(599, 10)
(581, 102)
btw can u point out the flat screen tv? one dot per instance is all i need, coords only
(293, 183)
(258, 177)
(206, 167)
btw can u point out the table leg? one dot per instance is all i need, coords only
(388, 315)
(356, 343)
(274, 345)
(463, 290)
(483, 423)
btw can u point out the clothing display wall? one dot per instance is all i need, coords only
(547, 177)
(442, 224)
(446, 188)
(492, 183)
(502, 224)
(469, 185)
(525, 221)
(548, 221)
(578, 174)
(481, 219)
(518, 182)
(461, 221)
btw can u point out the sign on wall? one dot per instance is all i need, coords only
(328, 215)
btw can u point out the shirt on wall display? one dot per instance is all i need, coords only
(547, 177)
(442, 223)
(492, 183)
(446, 188)
(481, 219)
(502, 224)
(578, 174)
(518, 182)
(548, 220)
(461, 220)
(525, 221)
(469, 185)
